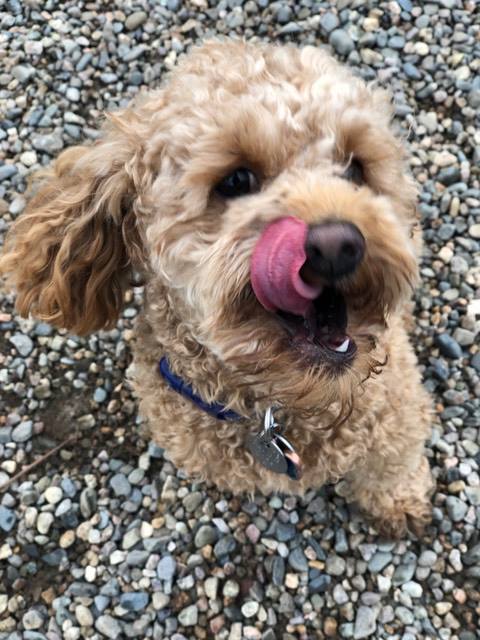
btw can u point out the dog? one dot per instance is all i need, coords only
(265, 200)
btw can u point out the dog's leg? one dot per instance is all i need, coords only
(394, 489)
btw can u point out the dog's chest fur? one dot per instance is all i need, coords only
(215, 451)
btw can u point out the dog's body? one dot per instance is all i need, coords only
(161, 193)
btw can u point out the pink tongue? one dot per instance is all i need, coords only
(275, 269)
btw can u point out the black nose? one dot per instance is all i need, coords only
(334, 249)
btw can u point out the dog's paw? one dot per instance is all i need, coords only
(406, 517)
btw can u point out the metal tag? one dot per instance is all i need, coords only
(273, 450)
(267, 453)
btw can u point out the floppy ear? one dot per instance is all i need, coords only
(70, 254)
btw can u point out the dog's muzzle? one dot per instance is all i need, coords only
(295, 269)
(292, 262)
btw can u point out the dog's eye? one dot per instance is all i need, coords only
(354, 172)
(238, 183)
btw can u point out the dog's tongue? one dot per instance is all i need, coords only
(275, 268)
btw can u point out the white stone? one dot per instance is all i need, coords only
(53, 495)
(44, 522)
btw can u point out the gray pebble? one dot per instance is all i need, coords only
(427, 558)
(73, 94)
(379, 561)
(285, 532)
(365, 622)
(193, 501)
(205, 535)
(22, 343)
(7, 171)
(32, 619)
(188, 617)
(341, 42)
(88, 503)
(120, 485)
(329, 21)
(23, 431)
(335, 565)
(225, 546)
(320, 584)
(7, 519)
(297, 560)
(278, 571)
(456, 508)
(135, 20)
(134, 600)
(99, 395)
(166, 568)
(448, 346)
(108, 626)
(48, 143)
(403, 573)
(464, 337)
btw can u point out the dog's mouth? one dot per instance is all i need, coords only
(321, 333)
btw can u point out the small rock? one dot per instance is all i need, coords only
(188, 617)
(32, 620)
(160, 600)
(135, 20)
(231, 589)
(474, 231)
(205, 535)
(72, 94)
(297, 560)
(225, 546)
(464, 337)
(448, 346)
(341, 42)
(99, 395)
(17, 205)
(109, 627)
(278, 571)
(22, 343)
(44, 522)
(134, 600)
(427, 558)
(7, 519)
(413, 589)
(456, 508)
(7, 171)
(28, 158)
(84, 616)
(48, 143)
(53, 495)
(210, 587)
(166, 568)
(250, 609)
(320, 584)
(365, 622)
(193, 501)
(23, 431)
(120, 485)
(379, 561)
(329, 21)
(131, 538)
(335, 565)
(403, 573)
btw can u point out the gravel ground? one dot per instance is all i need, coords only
(106, 539)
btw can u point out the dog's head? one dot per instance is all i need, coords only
(265, 191)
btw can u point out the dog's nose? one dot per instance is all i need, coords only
(334, 249)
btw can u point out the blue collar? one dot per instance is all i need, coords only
(177, 384)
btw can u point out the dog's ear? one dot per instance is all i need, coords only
(71, 253)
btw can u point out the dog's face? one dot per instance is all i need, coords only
(264, 189)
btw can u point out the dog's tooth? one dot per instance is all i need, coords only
(344, 346)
